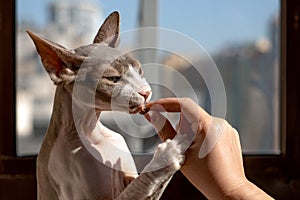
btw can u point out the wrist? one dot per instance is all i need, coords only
(247, 191)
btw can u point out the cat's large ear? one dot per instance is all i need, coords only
(60, 63)
(109, 31)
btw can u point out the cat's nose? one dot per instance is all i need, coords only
(145, 94)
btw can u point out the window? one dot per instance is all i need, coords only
(276, 174)
(243, 39)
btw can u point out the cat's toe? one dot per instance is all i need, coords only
(176, 165)
(181, 159)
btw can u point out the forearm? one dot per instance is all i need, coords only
(248, 191)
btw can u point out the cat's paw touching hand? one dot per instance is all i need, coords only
(168, 155)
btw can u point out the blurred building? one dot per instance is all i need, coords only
(73, 22)
(250, 72)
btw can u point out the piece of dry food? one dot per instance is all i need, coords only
(144, 109)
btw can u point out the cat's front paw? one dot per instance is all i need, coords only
(167, 155)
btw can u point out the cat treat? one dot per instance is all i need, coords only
(144, 109)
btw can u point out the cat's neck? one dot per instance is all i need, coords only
(73, 119)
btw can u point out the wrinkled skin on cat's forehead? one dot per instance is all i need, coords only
(117, 78)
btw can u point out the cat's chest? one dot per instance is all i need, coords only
(87, 167)
(114, 151)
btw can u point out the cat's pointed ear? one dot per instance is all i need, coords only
(60, 63)
(109, 31)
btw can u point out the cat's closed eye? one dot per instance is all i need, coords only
(113, 79)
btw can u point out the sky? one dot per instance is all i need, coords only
(212, 23)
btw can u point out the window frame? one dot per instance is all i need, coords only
(276, 174)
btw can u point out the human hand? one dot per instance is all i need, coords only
(214, 160)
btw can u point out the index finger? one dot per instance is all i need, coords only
(190, 110)
(165, 104)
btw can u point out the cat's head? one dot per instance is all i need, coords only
(118, 78)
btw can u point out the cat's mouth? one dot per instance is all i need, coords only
(144, 109)
(138, 100)
(136, 109)
(141, 109)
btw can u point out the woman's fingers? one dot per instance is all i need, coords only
(165, 105)
(188, 108)
(161, 124)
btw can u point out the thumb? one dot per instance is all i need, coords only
(161, 125)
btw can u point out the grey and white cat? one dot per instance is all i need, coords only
(70, 166)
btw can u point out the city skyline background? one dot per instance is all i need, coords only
(213, 24)
(242, 37)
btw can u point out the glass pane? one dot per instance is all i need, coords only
(242, 38)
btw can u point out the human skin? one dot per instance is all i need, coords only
(219, 173)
